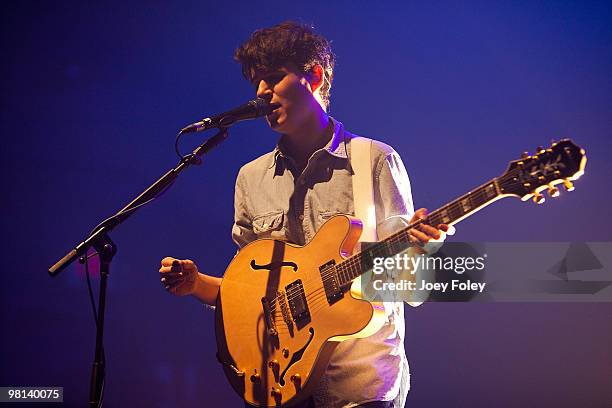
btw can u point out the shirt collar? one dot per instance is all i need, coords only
(336, 145)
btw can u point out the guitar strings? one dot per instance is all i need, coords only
(317, 300)
(315, 294)
(451, 207)
(350, 263)
(346, 266)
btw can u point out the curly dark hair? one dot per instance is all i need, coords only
(289, 42)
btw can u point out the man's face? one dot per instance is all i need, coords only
(289, 88)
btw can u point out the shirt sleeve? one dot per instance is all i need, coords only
(392, 194)
(242, 230)
(394, 207)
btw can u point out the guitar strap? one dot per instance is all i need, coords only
(363, 200)
(363, 187)
(363, 197)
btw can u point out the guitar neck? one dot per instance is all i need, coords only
(465, 205)
(449, 214)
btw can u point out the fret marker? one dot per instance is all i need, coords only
(491, 190)
(445, 217)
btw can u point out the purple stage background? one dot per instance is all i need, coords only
(93, 94)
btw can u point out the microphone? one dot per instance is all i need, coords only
(250, 110)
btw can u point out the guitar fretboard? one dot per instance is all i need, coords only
(450, 214)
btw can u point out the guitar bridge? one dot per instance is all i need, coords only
(282, 300)
(268, 318)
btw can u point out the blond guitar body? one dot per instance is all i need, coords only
(274, 350)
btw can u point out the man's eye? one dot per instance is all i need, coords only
(274, 79)
(280, 77)
(270, 80)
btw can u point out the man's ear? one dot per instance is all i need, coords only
(316, 77)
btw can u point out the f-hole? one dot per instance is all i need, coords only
(273, 265)
(297, 356)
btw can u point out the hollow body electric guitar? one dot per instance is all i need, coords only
(283, 308)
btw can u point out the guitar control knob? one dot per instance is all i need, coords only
(569, 186)
(296, 379)
(276, 393)
(274, 365)
(255, 378)
(553, 191)
(538, 198)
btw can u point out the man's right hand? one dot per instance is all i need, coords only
(179, 276)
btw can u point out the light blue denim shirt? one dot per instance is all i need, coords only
(271, 201)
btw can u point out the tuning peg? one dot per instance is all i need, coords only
(569, 186)
(538, 198)
(525, 155)
(540, 150)
(553, 191)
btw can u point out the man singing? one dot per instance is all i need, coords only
(288, 193)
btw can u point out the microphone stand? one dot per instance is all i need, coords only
(106, 249)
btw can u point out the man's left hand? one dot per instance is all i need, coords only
(424, 235)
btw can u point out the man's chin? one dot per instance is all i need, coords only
(275, 125)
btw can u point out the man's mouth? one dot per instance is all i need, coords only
(274, 114)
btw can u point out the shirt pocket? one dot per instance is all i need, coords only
(270, 225)
(325, 215)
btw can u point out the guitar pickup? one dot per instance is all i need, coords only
(298, 304)
(331, 284)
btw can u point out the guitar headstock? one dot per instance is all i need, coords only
(562, 163)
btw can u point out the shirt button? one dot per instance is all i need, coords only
(301, 217)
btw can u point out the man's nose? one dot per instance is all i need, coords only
(264, 91)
